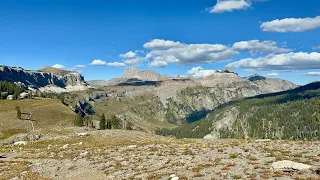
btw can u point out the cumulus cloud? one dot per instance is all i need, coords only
(312, 73)
(288, 61)
(116, 64)
(291, 24)
(80, 66)
(230, 5)
(58, 66)
(199, 72)
(190, 54)
(165, 52)
(158, 63)
(160, 44)
(129, 54)
(255, 46)
(272, 74)
(132, 58)
(98, 62)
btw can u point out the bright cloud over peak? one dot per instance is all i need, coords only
(199, 72)
(58, 66)
(129, 54)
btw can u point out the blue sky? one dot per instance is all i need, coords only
(170, 37)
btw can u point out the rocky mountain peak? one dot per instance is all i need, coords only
(55, 71)
(256, 77)
(146, 75)
(46, 76)
(228, 70)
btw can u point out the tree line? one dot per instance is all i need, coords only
(10, 88)
(104, 123)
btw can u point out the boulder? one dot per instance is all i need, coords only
(132, 146)
(289, 165)
(83, 134)
(84, 153)
(20, 143)
(66, 146)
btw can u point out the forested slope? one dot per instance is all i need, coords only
(293, 114)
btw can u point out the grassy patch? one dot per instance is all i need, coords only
(10, 132)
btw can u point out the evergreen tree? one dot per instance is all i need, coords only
(18, 112)
(102, 122)
(114, 122)
(78, 121)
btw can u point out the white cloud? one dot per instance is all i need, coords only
(98, 62)
(158, 63)
(230, 5)
(165, 52)
(80, 66)
(116, 64)
(58, 66)
(199, 72)
(160, 44)
(272, 74)
(316, 47)
(312, 74)
(132, 58)
(134, 61)
(129, 54)
(191, 54)
(255, 46)
(288, 61)
(291, 24)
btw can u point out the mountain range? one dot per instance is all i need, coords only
(147, 99)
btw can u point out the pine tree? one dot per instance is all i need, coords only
(18, 112)
(78, 121)
(114, 122)
(102, 122)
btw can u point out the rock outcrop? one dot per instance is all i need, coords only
(289, 165)
(42, 78)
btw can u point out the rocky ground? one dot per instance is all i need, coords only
(115, 154)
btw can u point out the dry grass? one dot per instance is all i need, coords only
(46, 114)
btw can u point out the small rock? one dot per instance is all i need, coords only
(84, 153)
(66, 146)
(263, 140)
(83, 134)
(175, 178)
(19, 143)
(172, 175)
(132, 146)
(284, 165)
(80, 143)
(49, 146)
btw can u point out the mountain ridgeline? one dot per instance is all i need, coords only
(293, 114)
(47, 76)
(151, 101)
(216, 106)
